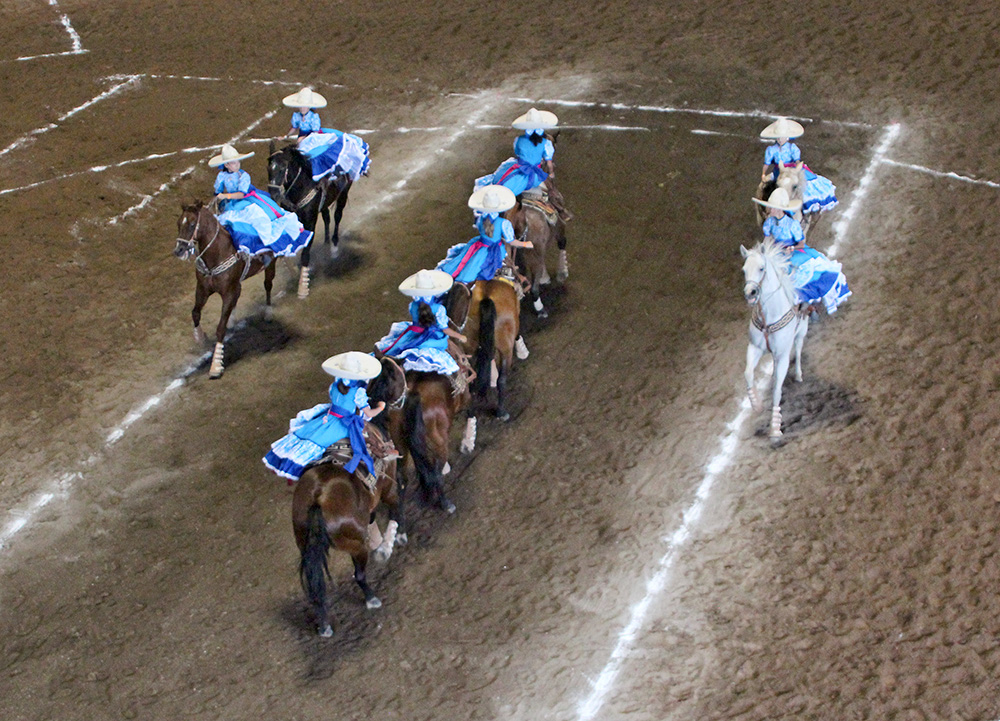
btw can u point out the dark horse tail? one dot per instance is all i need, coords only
(313, 569)
(487, 344)
(428, 474)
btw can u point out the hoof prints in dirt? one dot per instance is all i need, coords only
(254, 335)
(813, 405)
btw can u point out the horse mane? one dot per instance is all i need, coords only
(297, 156)
(772, 252)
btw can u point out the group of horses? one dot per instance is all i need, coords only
(333, 507)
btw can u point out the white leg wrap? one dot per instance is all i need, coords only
(217, 366)
(469, 437)
(447, 469)
(494, 374)
(521, 348)
(754, 400)
(538, 305)
(776, 422)
(199, 335)
(389, 538)
(545, 279)
(304, 282)
(563, 272)
(374, 536)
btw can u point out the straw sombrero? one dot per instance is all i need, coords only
(228, 154)
(492, 199)
(782, 128)
(353, 366)
(779, 199)
(426, 284)
(536, 120)
(305, 98)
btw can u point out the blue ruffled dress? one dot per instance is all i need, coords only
(481, 257)
(819, 194)
(329, 150)
(523, 171)
(818, 280)
(417, 347)
(255, 222)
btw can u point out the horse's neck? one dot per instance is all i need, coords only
(774, 294)
(223, 245)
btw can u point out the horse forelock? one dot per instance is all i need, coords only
(773, 255)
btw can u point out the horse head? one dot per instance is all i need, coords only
(457, 305)
(188, 226)
(754, 273)
(285, 169)
(388, 386)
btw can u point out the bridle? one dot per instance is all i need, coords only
(190, 245)
(280, 189)
(398, 403)
(757, 309)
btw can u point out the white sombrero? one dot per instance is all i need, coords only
(492, 199)
(426, 284)
(353, 366)
(305, 98)
(782, 128)
(779, 199)
(228, 154)
(536, 120)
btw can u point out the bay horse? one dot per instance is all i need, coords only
(493, 333)
(776, 325)
(534, 223)
(219, 268)
(290, 184)
(334, 508)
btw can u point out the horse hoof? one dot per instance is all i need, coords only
(521, 348)
(402, 539)
(503, 416)
(545, 279)
(213, 376)
(562, 275)
(373, 603)
(543, 313)
(268, 312)
(446, 470)
(382, 555)
(326, 631)
(199, 336)
(466, 448)
(447, 506)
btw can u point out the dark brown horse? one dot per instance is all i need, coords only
(334, 508)
(290, 184)
(492, 332)
(219, 268)
(534, 223)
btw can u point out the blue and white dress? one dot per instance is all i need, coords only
(817, 279)
(255, 222)
(418, 347)
(481, 257)
(819, 194)
(330, 151)
(313, 430)
(523, 171)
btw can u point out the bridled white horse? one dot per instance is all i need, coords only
(776, 326)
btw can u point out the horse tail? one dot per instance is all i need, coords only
(420, 450)
(313, 568)
(487, 344)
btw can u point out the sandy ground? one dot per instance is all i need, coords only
(848, 573)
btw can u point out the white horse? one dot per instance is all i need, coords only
(775, 323)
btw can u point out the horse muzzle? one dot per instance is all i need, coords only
(184, 249)
(751, 293)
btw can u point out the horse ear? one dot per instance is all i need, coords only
(743, 251)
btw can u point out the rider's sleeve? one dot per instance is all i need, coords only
(243, 185)
(220, 186)
(795, 152)
(311, 123)
(361, 398)
(770, 153)
(441, 316)
(506, 230)
(796, 231)
(550, 150)
(297, 121)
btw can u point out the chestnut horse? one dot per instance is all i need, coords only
(219, 268)
(331, 507)
(541, 228)
(492, 332)
(290, 184)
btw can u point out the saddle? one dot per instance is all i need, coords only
(380, 448)
(538, 199)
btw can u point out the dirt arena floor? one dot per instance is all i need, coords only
(148, 568)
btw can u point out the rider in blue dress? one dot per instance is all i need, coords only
(819, 193)
(255, 222)
(331, 152)
(481, 257)
(817, 279)
(422, 344)
(313, 430)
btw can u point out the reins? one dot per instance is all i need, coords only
(757, 314)
(199, 264)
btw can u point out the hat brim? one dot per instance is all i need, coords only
(775, 130)
(545, 121)
(218, 160)
(369, 366)
(792, 207)
(507, 197)
(294, 101)
(442, 284)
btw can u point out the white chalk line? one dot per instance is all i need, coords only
(942, 174)
(74, 37)
(255, 81)
(22, 518)
(110, 92)
(840, 226)
(605, 680)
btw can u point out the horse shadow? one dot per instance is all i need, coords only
(254, 335)
(556, 299)
(811, 406)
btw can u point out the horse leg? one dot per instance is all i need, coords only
(536, 300)
(562, 272)
(800, 339)
(780, 371)
(228, 304)
(360, 563)
(200, 298)
(469, 436)
(268, 284)
(338, 213)
(753, 358)
(521, 348)
(390, 497)
(325, 212)
(303, 290)
(503, 372)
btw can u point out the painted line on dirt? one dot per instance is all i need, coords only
(840, 226)
(26, 138)
(699, 131)
(942, 174)
(74, 37)
(208, 79)
(604, 682)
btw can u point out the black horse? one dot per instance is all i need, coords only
(290, 184)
